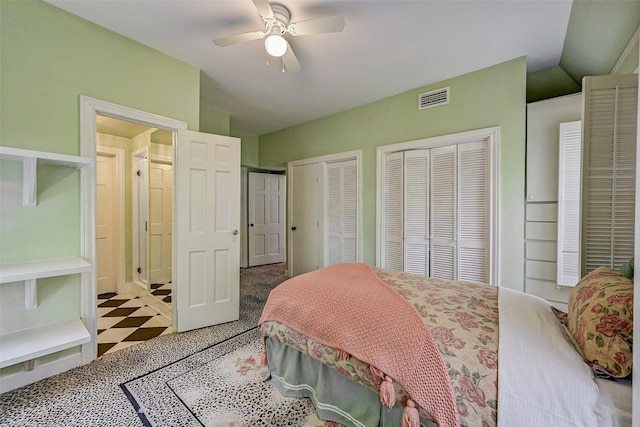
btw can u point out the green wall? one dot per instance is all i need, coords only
(549, 83)
(494, 96)
(213, 121)
(50, 58)
(248, 148)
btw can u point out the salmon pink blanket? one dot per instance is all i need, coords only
(349, 308)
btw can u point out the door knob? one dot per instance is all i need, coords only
(293, 228)
(250, 225)
(234, 232)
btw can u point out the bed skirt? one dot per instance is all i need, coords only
(336, 397)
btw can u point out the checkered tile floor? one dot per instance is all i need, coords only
(125, 320)
(162, 291)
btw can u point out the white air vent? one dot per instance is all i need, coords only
(435, 98)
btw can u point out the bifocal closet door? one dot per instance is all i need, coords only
(417, 202)
(437, 211)
(393, 212)
(608, 186)
(443, 213)
(341, 204)
(473, 212)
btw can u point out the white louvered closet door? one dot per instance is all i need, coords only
(342, 212)
(570, 154)
(416, 211)
(393, 211)
(443, 213)
(473, 212)
(610, 123)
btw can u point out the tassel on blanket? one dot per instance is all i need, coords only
(376, 372)
(387, 392)
(343, 355)
(410, 416)
(263, 356)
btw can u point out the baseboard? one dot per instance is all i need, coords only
(20, 379)
(138, 288)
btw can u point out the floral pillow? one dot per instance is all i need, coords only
(600, 319)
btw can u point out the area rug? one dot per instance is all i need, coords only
(222, 385)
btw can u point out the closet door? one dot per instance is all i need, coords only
(304, 220)
(393, 211)
(570, 153)
(473, 212)
(443, 212)
(608, 191)
(416, 211)
(341, 212)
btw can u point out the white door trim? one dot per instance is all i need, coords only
(244, 222)
(492, 135)
(268, 257)
(118, 154)
(89, 108)
(322, 160)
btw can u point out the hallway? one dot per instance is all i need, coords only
(125, 320)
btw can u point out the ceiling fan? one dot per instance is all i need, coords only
(276, 20)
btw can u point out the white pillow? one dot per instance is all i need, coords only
(542, 379)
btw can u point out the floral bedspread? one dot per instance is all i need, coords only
(463, 319)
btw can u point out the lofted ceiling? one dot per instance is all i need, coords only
(387, 47)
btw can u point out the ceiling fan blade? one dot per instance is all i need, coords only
(239, 38)
(264, 8)
(290, 61)
(327, 24)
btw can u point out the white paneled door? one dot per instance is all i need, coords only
(305, 219)
(207, 201)
(160, 222)
(266, 218)
(105, 224)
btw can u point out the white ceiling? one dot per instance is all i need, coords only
(387, 47)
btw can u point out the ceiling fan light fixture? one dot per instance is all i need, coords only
(276, 45)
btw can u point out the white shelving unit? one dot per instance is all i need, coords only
(29, 272)
(26, 345)
(30, 160)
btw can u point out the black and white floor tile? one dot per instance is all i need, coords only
(162, 291)
(125, 320)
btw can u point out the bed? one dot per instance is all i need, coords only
(374, 347)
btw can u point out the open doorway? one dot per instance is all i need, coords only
(134, 227)
(206, 240)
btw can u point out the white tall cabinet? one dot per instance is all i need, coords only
(541, 220)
